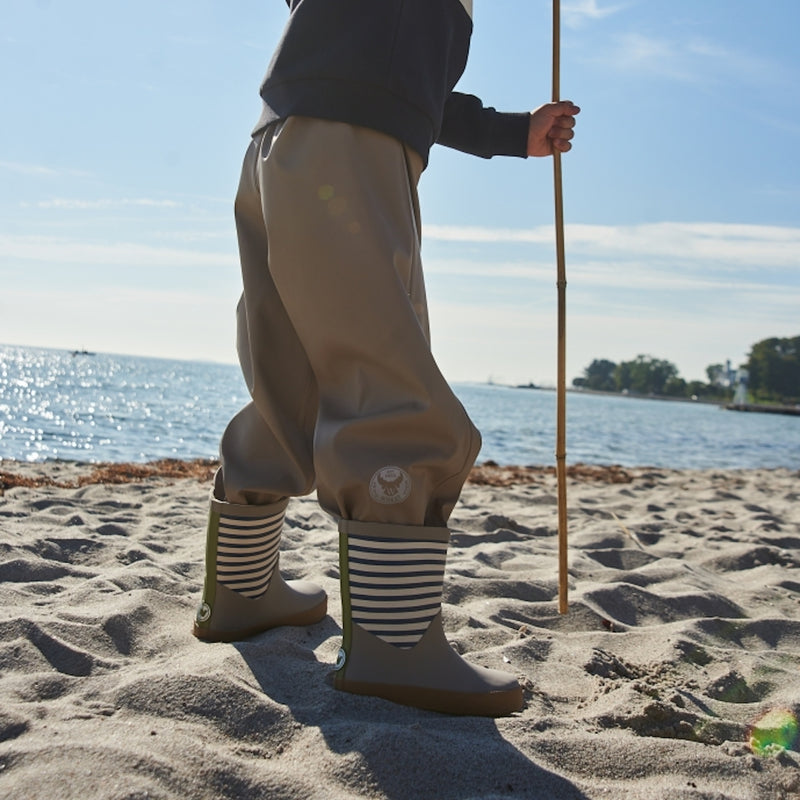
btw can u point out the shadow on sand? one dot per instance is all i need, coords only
(382, 749)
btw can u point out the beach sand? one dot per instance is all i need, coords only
(683, 633)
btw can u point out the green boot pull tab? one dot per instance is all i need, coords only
(341, 659)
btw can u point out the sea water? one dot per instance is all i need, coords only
(98, 407)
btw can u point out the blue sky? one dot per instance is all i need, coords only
(125, 125)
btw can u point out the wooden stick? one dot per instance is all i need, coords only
(561, 386)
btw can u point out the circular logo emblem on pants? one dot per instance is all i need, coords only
(390, 485)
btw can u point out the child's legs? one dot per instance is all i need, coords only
(266, 450)
(391, 441)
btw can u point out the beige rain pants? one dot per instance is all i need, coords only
(333, 334)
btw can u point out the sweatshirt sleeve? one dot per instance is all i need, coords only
(471, 127)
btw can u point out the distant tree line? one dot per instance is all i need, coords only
(773, 369)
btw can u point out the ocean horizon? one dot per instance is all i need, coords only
(98, 407)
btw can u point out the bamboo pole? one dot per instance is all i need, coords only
(561, 386)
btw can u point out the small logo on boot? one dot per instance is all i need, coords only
(390, 485)
(340, 659)
(204, 613)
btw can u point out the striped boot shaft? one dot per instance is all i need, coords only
(395, 586)
(247, 552)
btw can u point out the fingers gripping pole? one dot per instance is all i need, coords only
(561, 387)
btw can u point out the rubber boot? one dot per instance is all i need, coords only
(244, 592)
(394, 643)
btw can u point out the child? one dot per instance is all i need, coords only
(333, 340)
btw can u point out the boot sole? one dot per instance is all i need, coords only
(313, 615)
(465, 704)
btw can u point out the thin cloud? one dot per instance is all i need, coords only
(637, 52)
(591, 282)
(39, 170)
(70, 204)
(53, 250)
(710, 243)
(478, 234)
(734, 63)
(577, 13)
(690, 60)
(27, 169)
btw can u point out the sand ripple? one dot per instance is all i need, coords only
(683, 632)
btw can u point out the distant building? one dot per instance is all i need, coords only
(740, 395)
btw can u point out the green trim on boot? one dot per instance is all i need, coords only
(394, 645)
(345, 587)
(210, 578)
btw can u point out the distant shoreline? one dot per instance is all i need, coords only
(758, 408)
(791, 411)
(625, 395)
